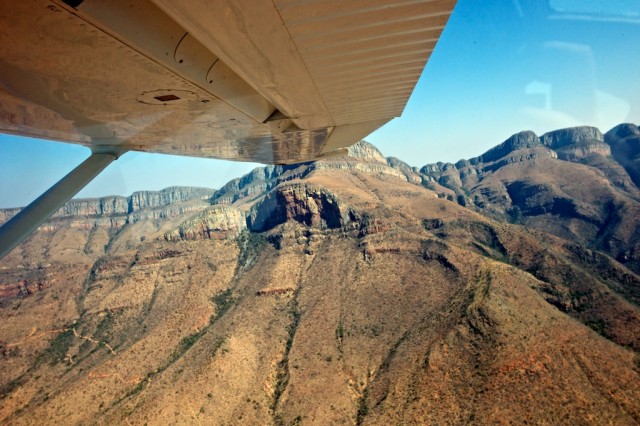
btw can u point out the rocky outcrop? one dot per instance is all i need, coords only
(116, 205)
(411, 173)
(521, 140)
(119, 220)
(436, 168)
(105, 206)
(533, 181)
(576, 143)
(576, 152)
(566, 144)
(172, 210)
(571, 136)
(526, 179)
(364, 151)
(216, 222)
(307, 204)
(366, 158)
(373, 168)
(519, 156)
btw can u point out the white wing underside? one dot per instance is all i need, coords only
(279, 81)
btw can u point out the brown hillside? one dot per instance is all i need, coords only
(400, 308)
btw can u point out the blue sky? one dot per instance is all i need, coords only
(500, 67)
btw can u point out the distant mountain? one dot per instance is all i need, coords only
(357, 290)
(589, 196)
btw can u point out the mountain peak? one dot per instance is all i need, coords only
(624, 141)
(365, 151)
(623, 130)
(521, 140)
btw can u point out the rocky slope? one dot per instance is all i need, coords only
(351, 294)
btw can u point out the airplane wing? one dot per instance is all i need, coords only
(271, 81)
(268, 81)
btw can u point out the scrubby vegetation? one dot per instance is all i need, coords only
(251, 245)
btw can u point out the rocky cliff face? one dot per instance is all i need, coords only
(216, 222)
(576, 143)
(412, 174)
(312, 206)
(522, 140)
(116, 205)
(258, 182)
(172, 195)
(116, 211)
(364, 151)
(572, 136)
(105, 206)
(584, 145)
(538, 181)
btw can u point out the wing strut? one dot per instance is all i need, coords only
(32, 216)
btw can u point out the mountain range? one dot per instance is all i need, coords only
(358, 290)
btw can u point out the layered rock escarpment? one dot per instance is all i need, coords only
(115, 211)
(172, 195)
(216, 222)
(538, 181)
(115, 205)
